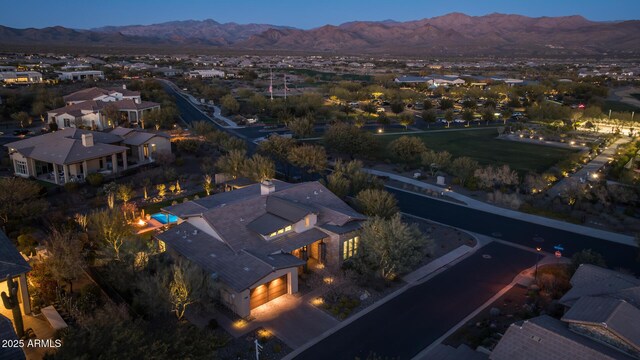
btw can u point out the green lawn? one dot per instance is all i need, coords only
(483, 146)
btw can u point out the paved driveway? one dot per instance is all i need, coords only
(293, 320)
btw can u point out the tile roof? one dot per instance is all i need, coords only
(238, 269)
(267, 223)
(591, 280)
(11, 261)
(95, 92)
(546, 338)
(8, 333)
(238, 218)
(617, 316)
(65, 147)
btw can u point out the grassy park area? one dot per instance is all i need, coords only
(483, 146)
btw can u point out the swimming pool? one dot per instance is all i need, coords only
(162, 218)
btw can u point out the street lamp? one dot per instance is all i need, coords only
(538, 249)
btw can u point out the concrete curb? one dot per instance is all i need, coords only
(382, 301)
(424, 353)
(539, 220)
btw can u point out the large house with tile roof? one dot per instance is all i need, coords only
(257, 239)
(87, 108)
(602, 321)
(70, 154)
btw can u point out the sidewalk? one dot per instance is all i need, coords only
(590, 169)
(482, 206)
(438, 264)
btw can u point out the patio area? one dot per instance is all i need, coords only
(40, 327)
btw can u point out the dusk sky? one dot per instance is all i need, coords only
(85, 14)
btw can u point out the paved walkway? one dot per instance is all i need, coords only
(589, 170)
(516, 138)
(482, 206)
(437, 264)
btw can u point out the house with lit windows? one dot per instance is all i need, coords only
(70, 154)
(257, 239)
(88, 108)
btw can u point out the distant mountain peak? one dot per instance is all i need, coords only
(450, 34)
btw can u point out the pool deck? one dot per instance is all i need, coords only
(152, 224)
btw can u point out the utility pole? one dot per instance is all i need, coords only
(271, 83)
(285, 86)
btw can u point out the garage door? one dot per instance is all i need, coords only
(269, 291)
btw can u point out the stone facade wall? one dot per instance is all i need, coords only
(602, 334)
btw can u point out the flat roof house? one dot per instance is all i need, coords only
(80, 75)
(256, 239)
(21, 77)
(70, 154)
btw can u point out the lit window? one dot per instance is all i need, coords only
(273, 234)
(350, 247)
(307, 221)
(288, 228)
(162, 247)
(280, 231)
(21, 167)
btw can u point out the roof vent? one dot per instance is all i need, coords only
(195, 232)
(536, 338)
(212, 255)
(315, 192)
(246, 268)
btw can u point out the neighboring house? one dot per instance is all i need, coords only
(21, 77)
(602, 322)
(437, 80)
(167, 71)
(88, 108)
(70, 154)
(12, 264)
(256, 239)
(104, 95)
(213, 73)
(80, 75)
(407, 79)
(142, 146)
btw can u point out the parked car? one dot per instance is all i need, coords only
(21, 132)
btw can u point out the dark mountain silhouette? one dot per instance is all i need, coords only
(453, 34)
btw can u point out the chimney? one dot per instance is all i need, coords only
(124, 86)
(87, 140)
(267, 187)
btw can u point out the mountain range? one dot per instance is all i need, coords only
(454, 34)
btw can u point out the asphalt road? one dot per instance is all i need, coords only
(517, 231)
(408, 323)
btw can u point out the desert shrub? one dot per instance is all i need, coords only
(95, 179)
